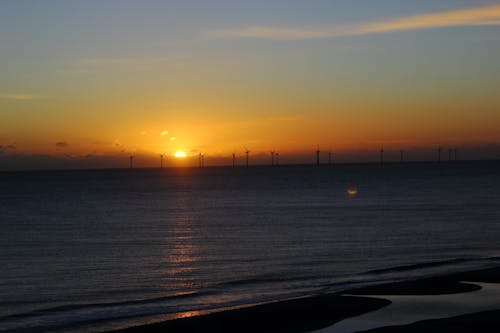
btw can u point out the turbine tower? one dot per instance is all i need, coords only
(131, 162)
(317, 156)
(247, 152)
(234, 160)
(161, 161)
(201, 160)
(382, 155)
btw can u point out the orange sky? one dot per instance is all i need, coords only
(147, 82)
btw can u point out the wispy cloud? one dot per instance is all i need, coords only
(479, 16)
(62, 144)
(19, 97)
(124, 61)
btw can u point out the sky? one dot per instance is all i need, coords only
(89, 83)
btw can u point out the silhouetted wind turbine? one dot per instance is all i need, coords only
(317, 156)
(401, 152)
(450, 152)
(247, 152)
(131, 161)
(161, 161)
(234, 160)
(272, 158)
(382, 155)
(201, 160)
(455, 153)
(277, 159)
(440, 149)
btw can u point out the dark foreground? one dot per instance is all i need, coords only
(487, 321)
(312, 313)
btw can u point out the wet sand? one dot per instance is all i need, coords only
(323, 311)
(298, 315)
(486, 321)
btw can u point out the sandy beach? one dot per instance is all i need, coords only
(427, 304)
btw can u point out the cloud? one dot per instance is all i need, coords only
(19, 97)
(62, 144)
(6, 148)
(173, 138)
(123, 61)
(478, 16)
(163, 133)
(489, 15)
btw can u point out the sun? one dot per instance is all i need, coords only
(180, 154)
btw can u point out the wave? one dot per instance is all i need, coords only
(267, 279)
(75, 307)
(417, 266)
(429, 264)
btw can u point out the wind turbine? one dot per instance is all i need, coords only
(247, 152)
(273, 153)
(317, 156)
(234, 160)
(200, 160)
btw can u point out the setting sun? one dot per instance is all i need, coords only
(180, 154)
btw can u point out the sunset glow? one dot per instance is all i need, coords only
(180, 154)
(349, 76)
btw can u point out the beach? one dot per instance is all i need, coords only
(332, 312)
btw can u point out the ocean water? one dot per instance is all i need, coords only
(90, 251)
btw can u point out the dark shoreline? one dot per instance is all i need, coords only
(316, 312)
(297, 315)
(485, 321)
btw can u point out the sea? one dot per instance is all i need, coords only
(99, 250)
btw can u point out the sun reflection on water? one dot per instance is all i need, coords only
(181, 253)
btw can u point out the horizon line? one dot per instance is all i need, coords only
(261, 165)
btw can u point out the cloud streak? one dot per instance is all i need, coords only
(19, 97)
(479, 16)
(123, 61)
(172, 61)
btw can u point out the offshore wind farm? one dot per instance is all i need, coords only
(318, 159)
